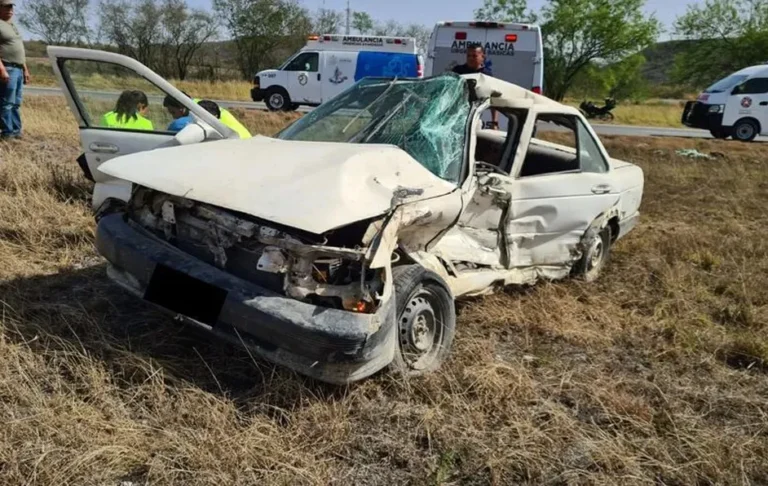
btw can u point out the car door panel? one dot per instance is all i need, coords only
(304, 78)
(99, 143)
(550, 214)
(475, 238)
(339, 68)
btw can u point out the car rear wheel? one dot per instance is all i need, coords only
(745, 130)
(426, 320)
(597, 250)
(277, 99)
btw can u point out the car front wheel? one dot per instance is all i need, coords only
(277, 99)
(745, 130)
(426, 320)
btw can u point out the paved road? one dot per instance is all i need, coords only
(602, 129)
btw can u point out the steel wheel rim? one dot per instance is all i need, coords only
(595, 253)
(420, 329)
(745, 131)
(276, 100)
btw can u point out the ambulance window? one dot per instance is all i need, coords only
(754, 86)
(307, 61)
(110, 96)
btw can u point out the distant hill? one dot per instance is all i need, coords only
(660, 59)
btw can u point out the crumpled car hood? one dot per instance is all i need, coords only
(311, 186)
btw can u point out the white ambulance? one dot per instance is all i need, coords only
(735, 106)
(329, 64)
(514, 52)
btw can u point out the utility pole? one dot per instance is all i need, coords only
(348, 15)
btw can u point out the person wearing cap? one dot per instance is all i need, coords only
(13, 72)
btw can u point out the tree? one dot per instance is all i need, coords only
(261, 29)
(391, 28)
(577, 32)
(184, 32)
(57, 21)
(724, 35)
(134, 28)
(362, 22)
(505, 11)
(328, 21)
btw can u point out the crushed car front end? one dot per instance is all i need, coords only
(305, 304)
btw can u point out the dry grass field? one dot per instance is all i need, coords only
(657, 374)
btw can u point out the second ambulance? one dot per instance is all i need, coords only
(329, 64)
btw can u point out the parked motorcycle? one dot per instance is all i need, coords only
(590, 110)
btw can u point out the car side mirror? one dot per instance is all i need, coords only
(307, 67)
(738, 89)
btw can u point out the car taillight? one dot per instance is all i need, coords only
(536, 89)
(510, 38)
(419, 70)
(460, 36)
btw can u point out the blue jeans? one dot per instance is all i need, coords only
(10, 103)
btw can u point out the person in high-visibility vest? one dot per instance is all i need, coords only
(224, 116)
(130, 112)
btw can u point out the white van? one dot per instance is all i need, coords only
(329, 64)
(513, 52)
(735, 106)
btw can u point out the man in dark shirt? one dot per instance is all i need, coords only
(476, 64)
(13, 72)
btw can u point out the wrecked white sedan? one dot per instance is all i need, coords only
(338, 247)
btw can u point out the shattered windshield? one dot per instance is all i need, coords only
(726, 83)
(427, 118)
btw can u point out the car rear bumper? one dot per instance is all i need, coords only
(257, 94)
(330, 345)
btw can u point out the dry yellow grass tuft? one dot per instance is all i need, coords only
(656, 374)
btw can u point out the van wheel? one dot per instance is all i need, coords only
(745, 130)
(597, 250)
(426, 320)
(277, 99)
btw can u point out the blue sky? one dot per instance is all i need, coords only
(431, 11)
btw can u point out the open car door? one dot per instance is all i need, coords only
(101, 87)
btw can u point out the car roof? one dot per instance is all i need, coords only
(504, 94)
(752, 70)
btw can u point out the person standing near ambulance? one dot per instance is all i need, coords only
(476, 65)
(13, 73)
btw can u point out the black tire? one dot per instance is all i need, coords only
(277, 99)
(426, 320)
(745, 130)
(606, 117)
(597, 252)
(719, 133)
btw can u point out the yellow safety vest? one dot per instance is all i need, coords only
(229, 120)
(110, 120)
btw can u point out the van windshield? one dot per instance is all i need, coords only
(726, 83)
(427, 118)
